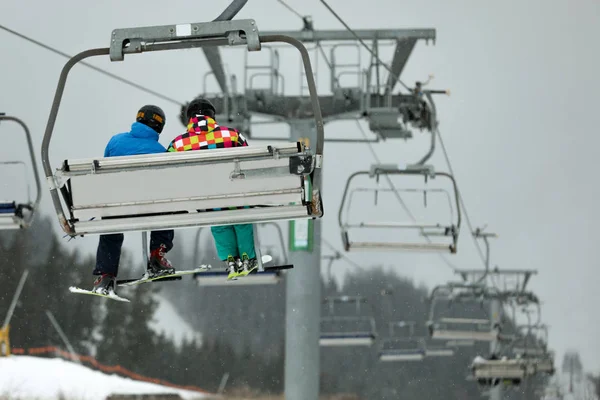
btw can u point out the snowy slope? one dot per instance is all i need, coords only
(28, 377)
(168, 321)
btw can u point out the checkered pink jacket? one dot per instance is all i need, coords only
(204, 133)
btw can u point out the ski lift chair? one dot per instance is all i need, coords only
(12, 213)
(347, 330)
(450, 230)
(531, 345)
(527, 344)
(436, 348)
(492, 372)
(265, 275)
(448, 319)
(405, 347)
(270, 183)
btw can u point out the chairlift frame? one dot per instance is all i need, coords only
(478, 329)
(11, 215)
(343, 339)
(488, 371)
(141, 214)
(414, 348)
(427, 172)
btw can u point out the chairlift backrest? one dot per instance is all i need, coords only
(85, 184)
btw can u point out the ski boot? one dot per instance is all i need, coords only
(232, 267)
(158, 264)
(105, 284)
(249, 265)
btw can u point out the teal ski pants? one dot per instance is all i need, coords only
(234, 240)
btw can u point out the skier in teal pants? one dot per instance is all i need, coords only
(235, 243)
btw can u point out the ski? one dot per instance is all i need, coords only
(112, 296)
(170, 277)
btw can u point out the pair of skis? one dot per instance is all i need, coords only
(144, 279)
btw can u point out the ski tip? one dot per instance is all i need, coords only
(113, 296)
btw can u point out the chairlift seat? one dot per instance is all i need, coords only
(347, 339)
(402, 355)
(439, 352)
(9, 218)
(500, 369)
(239, 185)
(462, 329)
(7, 207)
(270, 276)
(402, 348)
(347, 331)
(434, 348)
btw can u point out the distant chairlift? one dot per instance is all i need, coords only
(404, 347)
(13, 214)
(492, 372)
(277, 183)
(447, 318)
(531, 344)
(265, 275)
(347, 330)
(450, 230)
(436, 348)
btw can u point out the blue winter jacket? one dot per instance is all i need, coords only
(140, 140)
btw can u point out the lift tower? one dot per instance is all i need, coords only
(389, 116)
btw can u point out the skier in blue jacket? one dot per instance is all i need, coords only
(142, 139)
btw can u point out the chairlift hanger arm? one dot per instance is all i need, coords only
(169, 37)
(38, 184)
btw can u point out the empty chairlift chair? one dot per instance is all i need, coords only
(437, 348)
(402, 347)
(13, 213)
(451, 315)
(350, 329)
(277, 183)
(446, 233)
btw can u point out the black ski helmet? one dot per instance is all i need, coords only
(152, 116)
(200, 106)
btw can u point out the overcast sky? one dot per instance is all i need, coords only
(520, 125)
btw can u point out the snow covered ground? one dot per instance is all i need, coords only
(27, 377)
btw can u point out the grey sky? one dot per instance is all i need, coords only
(519, 126)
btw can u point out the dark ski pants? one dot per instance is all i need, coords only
(108, 254)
